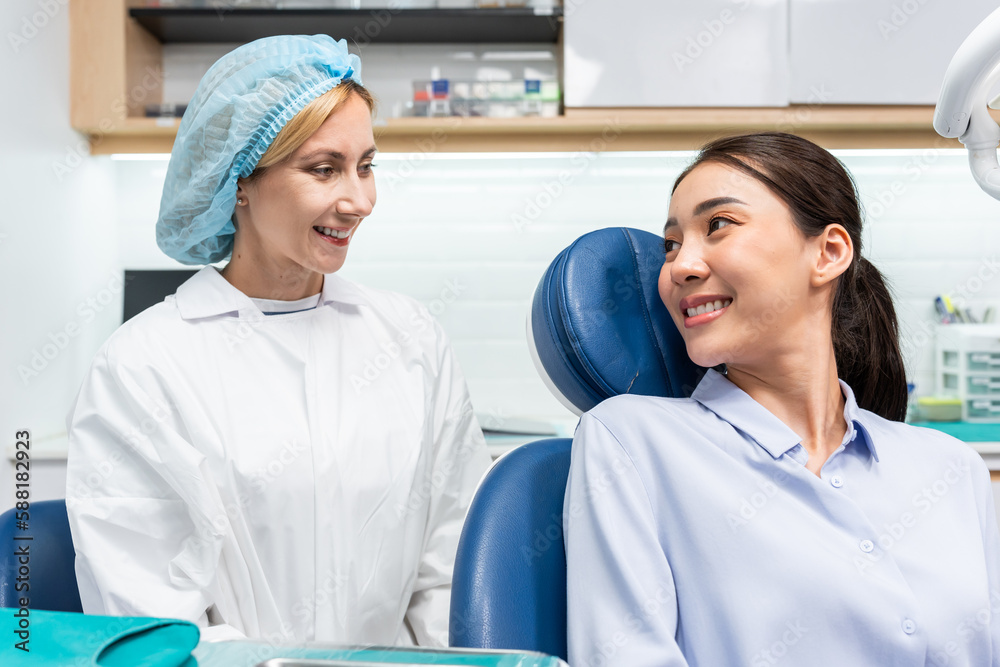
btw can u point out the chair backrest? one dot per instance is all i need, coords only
(44, 532)
(509, 586)
(597, 328)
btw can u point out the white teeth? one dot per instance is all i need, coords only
(708, 307)
(335, 233)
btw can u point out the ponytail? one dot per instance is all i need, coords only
(866, 341)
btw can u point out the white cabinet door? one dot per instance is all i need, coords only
(668, 53)
(876, 51)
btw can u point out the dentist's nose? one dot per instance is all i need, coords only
(357, 199)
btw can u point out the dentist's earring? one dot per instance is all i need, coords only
(239, 201)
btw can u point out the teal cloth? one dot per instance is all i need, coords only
(60, 638)
(250, 653)
(65, 639)
(966, 431)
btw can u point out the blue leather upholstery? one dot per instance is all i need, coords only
(599, 326)
(52, 575)
(597, 329)
(509, 588)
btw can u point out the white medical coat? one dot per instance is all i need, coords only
(291, 477)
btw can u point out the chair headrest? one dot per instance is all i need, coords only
(597, 327)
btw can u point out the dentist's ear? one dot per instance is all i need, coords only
(834, 253)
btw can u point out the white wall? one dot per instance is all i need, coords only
(57, 241)
(489, 224)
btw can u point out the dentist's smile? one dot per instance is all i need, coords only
(335, 235)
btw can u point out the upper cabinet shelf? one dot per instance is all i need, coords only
(611, 130)
(385, 26)
(116, 70)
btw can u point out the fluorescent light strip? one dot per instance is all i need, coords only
(141, 157)
(518, 55)
(845, 152)
(895, 152)
(533, 156)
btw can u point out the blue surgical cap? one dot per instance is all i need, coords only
(240, 105)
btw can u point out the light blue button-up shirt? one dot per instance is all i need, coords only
(696, 536)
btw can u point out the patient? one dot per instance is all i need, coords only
(783, 514)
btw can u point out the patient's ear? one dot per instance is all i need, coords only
(834, 253)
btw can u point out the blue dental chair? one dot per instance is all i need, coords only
(597, 328)
(52, 577)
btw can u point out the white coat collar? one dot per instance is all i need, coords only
(208, 294)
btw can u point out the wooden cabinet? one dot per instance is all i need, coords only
(117, 69)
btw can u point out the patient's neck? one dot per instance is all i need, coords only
(802, 390)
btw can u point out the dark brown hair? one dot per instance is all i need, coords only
(819, 191)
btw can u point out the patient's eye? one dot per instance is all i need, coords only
(717, 223)
(670, 245)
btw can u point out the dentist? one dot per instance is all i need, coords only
(233, 459)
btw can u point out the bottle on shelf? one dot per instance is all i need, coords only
(439, 98)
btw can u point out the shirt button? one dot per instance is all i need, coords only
(867, 546)
(836, 481)
(909, 627)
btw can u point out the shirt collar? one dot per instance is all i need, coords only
(735, 406)
(855, 421)
(208, 294)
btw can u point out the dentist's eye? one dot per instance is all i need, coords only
(717, 223)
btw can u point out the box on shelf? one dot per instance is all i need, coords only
(967, 366)
(489, 99)
(934, 409)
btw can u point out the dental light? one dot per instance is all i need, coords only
(962, 110)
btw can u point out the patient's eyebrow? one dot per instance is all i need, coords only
(706, 205)
(709, 204)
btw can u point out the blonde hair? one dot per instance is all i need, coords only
(306, 122)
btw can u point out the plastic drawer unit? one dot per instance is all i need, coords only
(968, 367)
